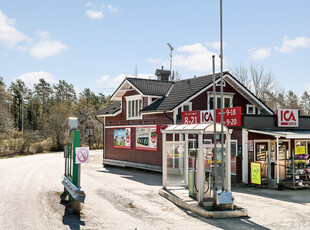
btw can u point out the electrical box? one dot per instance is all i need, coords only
(224, 200)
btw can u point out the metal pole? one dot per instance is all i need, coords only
(278, 161)
(200, 170)
(186, 160)
(23, 116)
(214, 123)
(222, 100)
(164, 168)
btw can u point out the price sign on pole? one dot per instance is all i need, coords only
(231, 116)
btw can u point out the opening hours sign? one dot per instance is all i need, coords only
(232, 117)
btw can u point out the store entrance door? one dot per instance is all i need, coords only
(262, 157)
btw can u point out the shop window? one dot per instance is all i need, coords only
(227, 101)
(134, 105)
(250, 109)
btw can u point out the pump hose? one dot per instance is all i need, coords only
(195, 178)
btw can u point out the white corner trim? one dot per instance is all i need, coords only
(122, 85)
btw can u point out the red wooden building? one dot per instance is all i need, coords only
(141, 107)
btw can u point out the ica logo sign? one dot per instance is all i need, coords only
(206, 116)
(287, 117)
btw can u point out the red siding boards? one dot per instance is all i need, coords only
(132, 154)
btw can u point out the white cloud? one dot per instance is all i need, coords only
(43, 34)
(259, 53)
(112, 9)
(47, 48)
(154, 61)
(33, 78)
(103, 78)
(290, 45)
(94, 14)
(89, 4)
(215, 45)
(194, 57)
(10, 37)
(193, 49)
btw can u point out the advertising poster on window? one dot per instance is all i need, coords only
(122, 138)
(146, 138)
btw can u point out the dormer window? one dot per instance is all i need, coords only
(187, 107)
(134, 105)
(227, 99)
(250, 109)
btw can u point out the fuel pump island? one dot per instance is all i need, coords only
(202, 174)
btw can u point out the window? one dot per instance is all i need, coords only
(250, 109)
(134, 105)
(227, 99)
(187, 107)
(234, 146)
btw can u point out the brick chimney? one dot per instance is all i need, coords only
(162, 74)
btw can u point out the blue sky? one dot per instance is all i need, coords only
(95, 44)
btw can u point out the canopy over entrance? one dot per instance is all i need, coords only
(195, 128)
(288, 134)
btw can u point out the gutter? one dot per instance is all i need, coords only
(168, 117)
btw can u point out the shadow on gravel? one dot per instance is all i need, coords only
(228, 223)
(139, 175)
(295, 196)
(70, 218)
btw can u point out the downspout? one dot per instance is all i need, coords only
(168, 117)
(103, 139)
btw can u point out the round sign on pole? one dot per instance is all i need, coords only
(82, 155)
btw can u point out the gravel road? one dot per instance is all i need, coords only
(121, 198)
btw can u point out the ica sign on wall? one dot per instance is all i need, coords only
(287, 117)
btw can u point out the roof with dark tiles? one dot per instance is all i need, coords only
(151, 87)
(110, 109)
(172, 93)
(180, 92)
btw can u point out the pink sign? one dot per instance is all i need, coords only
(82, 155)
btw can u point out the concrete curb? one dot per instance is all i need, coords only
(197, 210)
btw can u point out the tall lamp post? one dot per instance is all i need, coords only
(171, 49)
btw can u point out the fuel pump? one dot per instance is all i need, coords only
(193, 178)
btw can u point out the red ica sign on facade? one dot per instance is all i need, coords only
(287, 117)
(190, 117)
(231, 116)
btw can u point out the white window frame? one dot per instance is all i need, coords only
(230, 96)
(248, 106)
(189, 105)
(235, 141)
(131, 99)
